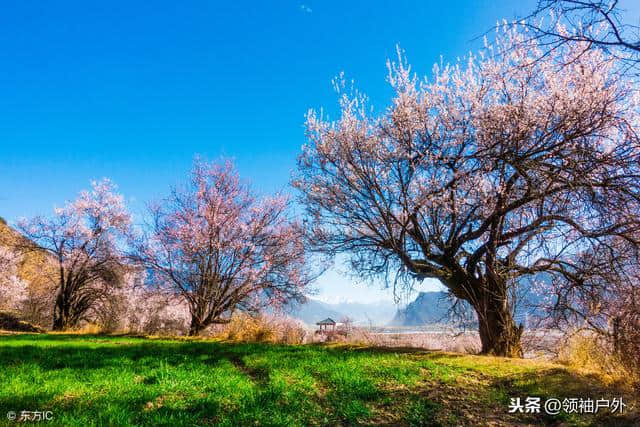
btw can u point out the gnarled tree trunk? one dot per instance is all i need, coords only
(61, 314)
(499, 334)
(196, 326)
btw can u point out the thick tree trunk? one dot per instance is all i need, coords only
(59, 323)
(196, 327)
(61, 318)
(499, 334)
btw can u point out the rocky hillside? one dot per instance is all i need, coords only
(427, 308)
(432, 307)
(33, 269)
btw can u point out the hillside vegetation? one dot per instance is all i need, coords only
(31, 265)
(118, 380)
(37, 271)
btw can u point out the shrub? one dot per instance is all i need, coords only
(467, 342)
(89, 328)
(594, 353)
(10, 321)
(135, 308)
(37, 306)
(625, 330)
(262, 328)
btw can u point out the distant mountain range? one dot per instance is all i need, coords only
(427, 308)
(378, 313)
(432, 307)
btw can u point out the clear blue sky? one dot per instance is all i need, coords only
(133, 90)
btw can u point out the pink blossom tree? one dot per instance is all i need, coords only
(596, 24)
(13, 290)
(135, 307)
(221, 249)
(492, 172)
(82, 240)
(7, 264)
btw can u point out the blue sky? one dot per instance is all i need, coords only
(134, 90)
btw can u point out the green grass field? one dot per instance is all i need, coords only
(110, 380)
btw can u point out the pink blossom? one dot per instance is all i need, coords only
(222, 249)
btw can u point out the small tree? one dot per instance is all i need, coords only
(221, 249)
(82, 241)
(25, 279)
(13, 290)
(8, 261)
(602, 295)
(137, 308)
(486, 177)
(7, 264)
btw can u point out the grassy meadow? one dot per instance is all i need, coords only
(119, 380)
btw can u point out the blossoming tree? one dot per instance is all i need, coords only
(597, 24)
(13, 290)
(135, 307)
(82, 239)
(222, 249)
(492, 172)
(7, 266)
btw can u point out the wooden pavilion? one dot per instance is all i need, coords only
(324, 325)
